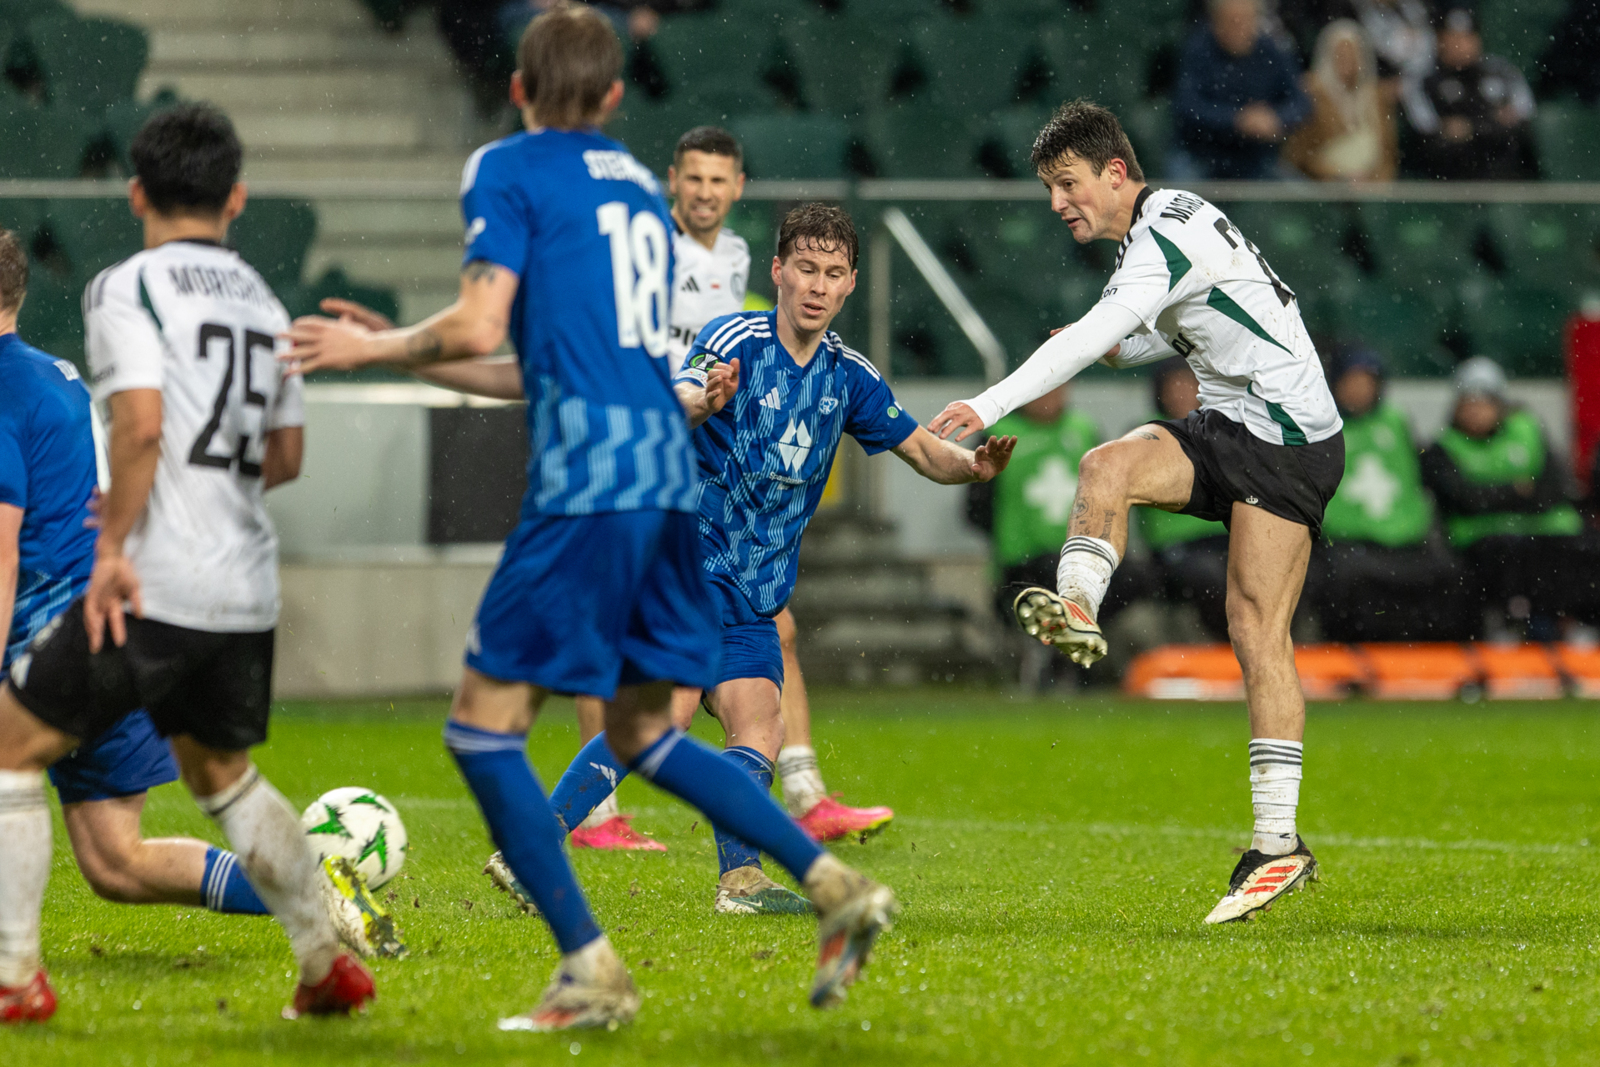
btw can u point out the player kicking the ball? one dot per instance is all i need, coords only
(1263, 454)
(600, 589)
(180, 340)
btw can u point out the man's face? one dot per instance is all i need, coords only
(703, 188)
(1356, 390)
(1478, 416)
(1047, 408)
(1086, 201)
(1459, 49)
(812, 284)
(1236, 24)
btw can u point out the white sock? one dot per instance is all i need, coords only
(1085, 570)
(24, 869)
(802, 780)
(265, 832)
(607, 810)
(1275, 793)
(592, 961)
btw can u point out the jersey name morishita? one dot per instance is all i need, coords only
(706, 283)
(765, 457)
(196, 322)
(1204, 291)
(584, 227)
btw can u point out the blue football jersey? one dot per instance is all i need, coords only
(586, 230)
(765, 457)
(48, 469)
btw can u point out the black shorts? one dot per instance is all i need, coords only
(214, 687)
(1293, 482)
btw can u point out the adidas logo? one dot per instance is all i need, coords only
(772, 400)
(690, 285)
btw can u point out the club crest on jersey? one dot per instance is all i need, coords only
(794, 446)
(827, 404)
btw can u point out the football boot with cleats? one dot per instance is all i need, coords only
(1062, 623)
(1259, 879)
(829, 820)
(852, 911)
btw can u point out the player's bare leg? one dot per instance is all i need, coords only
(822, 816)
(120, 865)
(1267, 558)
(607, 827)
(1146, 466)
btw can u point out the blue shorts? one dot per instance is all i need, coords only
(750, 645)
(126, 760)
(585, 603)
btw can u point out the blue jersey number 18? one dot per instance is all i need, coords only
(639, 273)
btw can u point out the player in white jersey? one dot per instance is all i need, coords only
(181, 341)
(1264, 453)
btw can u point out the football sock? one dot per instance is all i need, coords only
(729, 797)
(589, 779)
(1275, 793)
(732, 853)
(25, 829)
(524, 827)
(265, 833)
(1085, 570)
(802, 779)
(604, 813)
(225, 888)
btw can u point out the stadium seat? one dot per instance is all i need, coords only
(1518, 672)
(1419, 671)
(1330, 672)
(52, 318)
(793, 146)
(22, 217)
(1518, 324)
(88, 64)
(1581, 665)
(921, 140)
(93, 234)
(716, 59)
(845, 65)
(975, 63)
(1405, 327)
(651, 129)
(1185, 672)
(39, 142)
(1568, 136)
(1519, 30)
(306, 300)
(273, 236)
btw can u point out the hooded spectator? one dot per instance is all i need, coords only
(1351, 134)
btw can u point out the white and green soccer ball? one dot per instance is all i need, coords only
(361, 826)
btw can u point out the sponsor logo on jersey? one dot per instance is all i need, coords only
(690, 285)
(827, 404)
(894, 412)
(794, 447)
(773, 401)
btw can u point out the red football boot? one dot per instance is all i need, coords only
(829, 820)
(347, 988)
(614, 835)
(31, 1003)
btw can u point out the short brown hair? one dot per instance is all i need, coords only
(826, 227)
(1086, 131)
(567, 59)
(13, 272)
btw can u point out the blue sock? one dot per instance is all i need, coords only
(728, 797)
(224, 887)
(592, 776)
(733, 853)
(523, 827)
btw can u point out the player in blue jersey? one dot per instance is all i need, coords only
(764, 460)
(600, 589)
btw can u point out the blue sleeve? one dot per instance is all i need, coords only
(1189, 102)
(13, 467)
(875, 419)
(498, 218)
(713, 345)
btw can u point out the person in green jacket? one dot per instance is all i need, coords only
(1380, 573)
(1502, 492)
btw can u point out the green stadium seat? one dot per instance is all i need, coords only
(1519, 325)
(1404, 326)
(88, 64)
(22, 217)
(21, 12)
(975, 64)
(921, 140)
(1419, 241)
(93, 234)
(793, 146)
(334, 283)
(1568, 136)
(273, 236)
(1518, 30)
(1011, 133)
(40, 142)
(1087, 59)
(845, 65)
(716, 58)
(1552, 245)
(52, 316)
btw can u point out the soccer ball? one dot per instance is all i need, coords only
(361, 826)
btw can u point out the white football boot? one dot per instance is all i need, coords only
(590, 990)
(852, 911)
(1065, 624)
(1259, 879)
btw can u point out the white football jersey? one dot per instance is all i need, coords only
(195, 321)
(707, 284)
(1204, 291)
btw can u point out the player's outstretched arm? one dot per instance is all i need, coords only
(475, 325)
(135, 449)
(701, 402)
(496, 378)
(286, 449)
(949, 464)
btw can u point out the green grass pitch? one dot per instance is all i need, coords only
(1054, 861)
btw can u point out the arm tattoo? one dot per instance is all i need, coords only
(1105, 527)
(480, 270)
(1146, 434)
(424, 347)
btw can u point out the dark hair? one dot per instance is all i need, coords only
(13, 272)
(713, 140)
(187, 159)
(568, 57)
(826, 227)
(1084, 130)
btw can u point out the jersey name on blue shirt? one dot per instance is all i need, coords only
(48, 469)
(765, 457)
(586, 230)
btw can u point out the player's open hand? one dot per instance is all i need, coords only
(991, 457)
(325, 344)
(350, 311)
(722, 381)
(113, 584)
(957, 418)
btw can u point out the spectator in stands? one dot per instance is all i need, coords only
(1503, 494)
(1238, 96)
(1378, 575)
(1476, 124)
(1188, 556)
(1351, 134)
